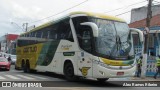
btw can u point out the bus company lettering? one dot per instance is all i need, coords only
(19, 51)
(114, 63)
(30, 49)
(66, 47)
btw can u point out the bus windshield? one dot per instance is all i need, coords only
(114, 39)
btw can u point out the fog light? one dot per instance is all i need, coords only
(101, 72)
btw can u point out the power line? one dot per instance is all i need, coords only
(60, 12)
(123, 13)
(17, 25)
(129, 10)
(156, 1)
(125, 7)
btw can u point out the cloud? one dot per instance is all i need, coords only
(14, 12)
(20, 11)
(25, 13)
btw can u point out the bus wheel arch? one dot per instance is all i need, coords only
(68, 70)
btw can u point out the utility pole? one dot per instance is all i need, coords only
(144, 62)
(18, 25)
(26, 26)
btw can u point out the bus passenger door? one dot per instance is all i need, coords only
(84, 56)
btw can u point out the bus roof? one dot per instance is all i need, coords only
(97, 15)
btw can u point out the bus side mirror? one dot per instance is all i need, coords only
(140, 33)
(93, 26)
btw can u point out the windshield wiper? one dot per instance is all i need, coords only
(117, 46)
(118, 42)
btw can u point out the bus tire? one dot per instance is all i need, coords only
(26, 68)
(69, 72)
(32, 71)
(22, 64)
(102, 79)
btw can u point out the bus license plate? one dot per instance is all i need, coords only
(120, 73)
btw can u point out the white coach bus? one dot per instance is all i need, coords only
(81, 44)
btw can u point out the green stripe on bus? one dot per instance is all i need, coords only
(47, 53)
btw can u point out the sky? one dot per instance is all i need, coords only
(13, 13)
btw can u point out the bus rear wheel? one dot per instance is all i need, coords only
(102, 79)
(22, 65)
(69, 72)
(26, 68)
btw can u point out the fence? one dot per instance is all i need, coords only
(151, 61)
(151, 67)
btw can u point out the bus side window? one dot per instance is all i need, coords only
(65, 30)
(61, 30)
(53, 31)
(38, 34)
(45, 32)
(19, 43)
(85, 38)
(48, 34)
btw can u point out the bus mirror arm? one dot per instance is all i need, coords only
(139, 32)
(93, 26)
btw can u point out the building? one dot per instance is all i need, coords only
(138, 20)
(8, 43)
(141, 13)
(154, 26)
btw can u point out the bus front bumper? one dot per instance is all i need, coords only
(104, 72)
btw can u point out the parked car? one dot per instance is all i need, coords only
(13, 59)
(4, 63)
(3, 54)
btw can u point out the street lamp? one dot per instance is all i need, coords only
(18, 26)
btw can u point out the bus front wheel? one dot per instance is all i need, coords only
(22, 65)
(102, 79)
(69, 72)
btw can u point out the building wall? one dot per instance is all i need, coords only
(3, 46)
(141, 13)
(3, 43)
(153, 47)
(155, 21)
(7, 43)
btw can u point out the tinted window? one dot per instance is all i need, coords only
(57, 31)
(61, 30)
(83, 33)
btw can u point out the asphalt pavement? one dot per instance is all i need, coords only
(60, 83)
